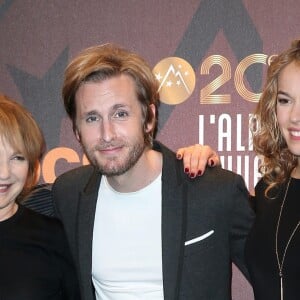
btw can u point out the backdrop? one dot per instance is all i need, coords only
(209, 56)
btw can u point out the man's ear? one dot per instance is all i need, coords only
(151, 124)
(77, 135)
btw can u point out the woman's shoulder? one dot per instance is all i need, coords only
(48, 230)
(260, 186)
(39, 220)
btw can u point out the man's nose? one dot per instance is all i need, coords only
(107, 130)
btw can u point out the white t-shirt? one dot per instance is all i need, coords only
(127, 248)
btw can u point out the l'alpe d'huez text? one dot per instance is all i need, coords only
(230, 136)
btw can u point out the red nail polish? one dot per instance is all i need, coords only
(212, 163)
(192, 175)
(186, 170)
(199, 173)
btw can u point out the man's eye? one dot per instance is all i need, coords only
(91, 119)
(121, 114)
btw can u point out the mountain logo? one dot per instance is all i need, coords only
(176, 80)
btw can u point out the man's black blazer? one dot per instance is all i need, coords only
(205, 222)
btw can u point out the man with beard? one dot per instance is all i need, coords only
(137, 226)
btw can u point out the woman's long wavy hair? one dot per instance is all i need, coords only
(268, 141)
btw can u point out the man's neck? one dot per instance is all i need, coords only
(147, 168)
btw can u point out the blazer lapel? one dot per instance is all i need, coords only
(173, 226)
(86, 217)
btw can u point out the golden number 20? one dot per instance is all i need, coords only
(207, 95)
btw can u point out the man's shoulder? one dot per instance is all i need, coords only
(68, 186)
(218, 179)
(216, 174)
(75, 176)
(222, 173)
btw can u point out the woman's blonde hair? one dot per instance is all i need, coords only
(20, 130)
(268, 141)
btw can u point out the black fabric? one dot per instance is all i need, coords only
(260, 247)
(40, 200)
(35, 261)
(216, 201)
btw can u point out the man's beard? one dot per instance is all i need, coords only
(113, 167)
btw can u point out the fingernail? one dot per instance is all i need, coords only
(178, 156)
(212, 163)
(186, 170)
(192, 175)
(199, 173)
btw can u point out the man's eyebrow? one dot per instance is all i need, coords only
(91, 112)
(120, 105)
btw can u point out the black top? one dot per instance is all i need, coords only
(260, 247)
(35, 262)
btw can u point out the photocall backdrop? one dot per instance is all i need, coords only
(209, 56)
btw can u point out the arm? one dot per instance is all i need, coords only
(242, 217)
(196, 158)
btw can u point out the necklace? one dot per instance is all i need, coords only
(280, 264)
